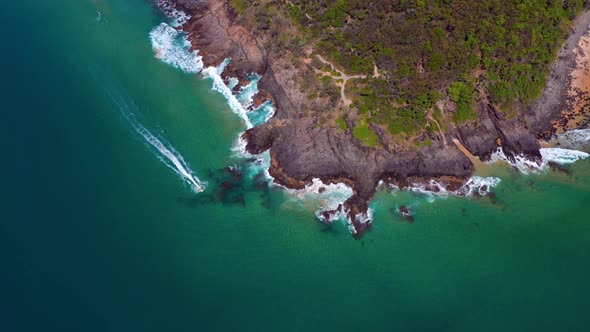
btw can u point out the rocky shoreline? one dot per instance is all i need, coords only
(302, 150)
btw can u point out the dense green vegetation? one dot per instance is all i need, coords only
(430, 50)
(462, 94)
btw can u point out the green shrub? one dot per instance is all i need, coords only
(363, 133)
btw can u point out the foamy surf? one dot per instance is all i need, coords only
(556, 155)
(214, 73)
(475, 185)
(260, 163)
(327, 197)
(562, 156)
(328, 202)
(173, 47)
(247, 92)
(317, 196)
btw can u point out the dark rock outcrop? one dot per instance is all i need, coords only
(301, 150)
(211, 31)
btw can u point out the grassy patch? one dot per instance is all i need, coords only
(426, 142)
(363, 133)
(462, 94)
(341, 123)
(464, 113)
(437, 115)
(239, 5)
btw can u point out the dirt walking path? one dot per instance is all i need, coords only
(344, 77)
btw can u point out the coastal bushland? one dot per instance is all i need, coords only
(415, 53)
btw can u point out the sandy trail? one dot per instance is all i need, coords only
(430, 117)
(344, 77)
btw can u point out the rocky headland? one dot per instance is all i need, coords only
(302, 147)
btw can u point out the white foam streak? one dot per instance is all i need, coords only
(327, 196)
(520, 162)
(163, 150)
(562, 156)
(219, 86)
(556, 155)
(168, 155)
(433, 188)
(479, 185)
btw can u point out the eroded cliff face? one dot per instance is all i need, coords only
(212, 33)
(565, 102)
(301, 149)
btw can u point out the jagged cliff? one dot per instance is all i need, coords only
(301, 149)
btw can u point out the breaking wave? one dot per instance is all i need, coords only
(562, 156)
(240, 102)
(556, 155)
(476, 185)
(163, 150)
(214, 73)
(327, 196)
(173, 48)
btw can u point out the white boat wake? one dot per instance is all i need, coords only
(163, 150)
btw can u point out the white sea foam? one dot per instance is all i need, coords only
(173, 48)
(260, 163)
(431, 190)
(161, 148)
(247, 92)
(436, 189)
(327, 196)
(262, 114)
(525, 166)
(520, 162)
(328, 201)
(479, 185)
(232, 82)
(562, 156)
(219, 85)
(363, 218)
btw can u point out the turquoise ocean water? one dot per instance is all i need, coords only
(98, 234)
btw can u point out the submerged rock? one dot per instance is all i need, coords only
(405, 213)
